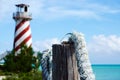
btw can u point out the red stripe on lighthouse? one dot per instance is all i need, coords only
(19, 25)
(25, 41)
(22, 34)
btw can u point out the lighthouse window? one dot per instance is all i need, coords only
(25, 8)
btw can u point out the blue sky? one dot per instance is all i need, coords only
(99, 21)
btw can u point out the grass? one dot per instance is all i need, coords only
(33, 75)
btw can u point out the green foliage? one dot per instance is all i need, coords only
(24, 61)
(23, 66)
(37, 75)
(9, 64)
(38, 58)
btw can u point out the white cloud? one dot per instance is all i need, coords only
(45, 44)
(8, 7)
(102, 44)
(57, 9)
(99, 44)
(100, 8)
(56, 12)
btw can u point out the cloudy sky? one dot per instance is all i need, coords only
(99, 21)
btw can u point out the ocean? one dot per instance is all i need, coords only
(106, 72)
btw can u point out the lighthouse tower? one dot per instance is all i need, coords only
(22, 30)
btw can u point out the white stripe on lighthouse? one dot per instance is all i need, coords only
(20, 40)
(29, 43)
(22, 34)
(22, 28)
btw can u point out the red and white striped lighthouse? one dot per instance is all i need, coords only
(22, 30)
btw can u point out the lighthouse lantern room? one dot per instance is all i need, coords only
(22, 30)
(22, 12)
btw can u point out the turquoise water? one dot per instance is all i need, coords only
(106, 72)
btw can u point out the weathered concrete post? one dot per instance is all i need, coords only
(64, 62)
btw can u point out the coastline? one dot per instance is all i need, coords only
(105, 64)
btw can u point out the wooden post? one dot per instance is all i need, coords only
(64, 62)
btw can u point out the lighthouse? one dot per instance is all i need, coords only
(22, 33)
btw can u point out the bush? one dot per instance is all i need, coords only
(23, 66)
(24, 61)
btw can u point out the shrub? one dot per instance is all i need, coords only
(22, 62)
